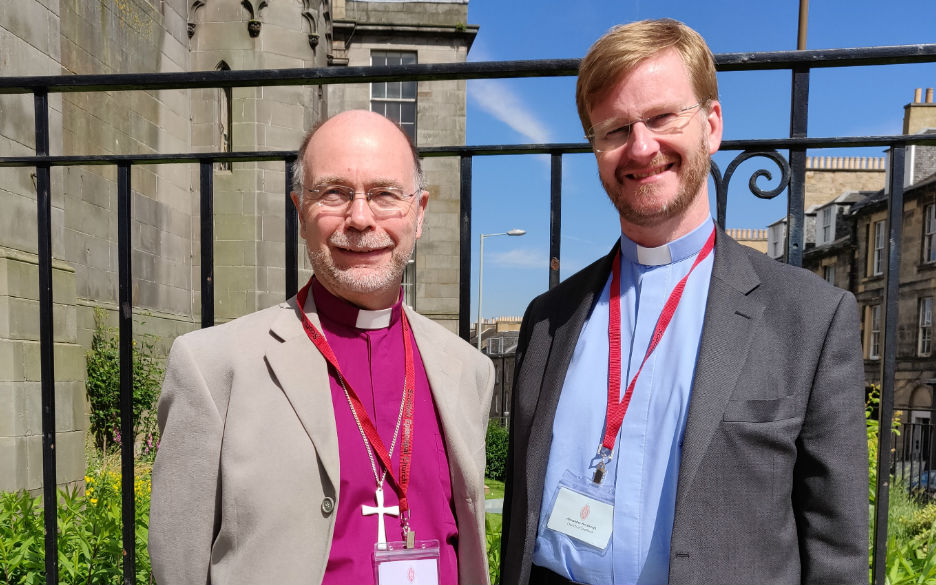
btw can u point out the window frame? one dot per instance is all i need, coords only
(404, 94)
(925, 327)
(828, 228)
(877, 253)
(874, 332)
(929, 233)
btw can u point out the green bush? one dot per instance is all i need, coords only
(89, 533)
(497, 437)
(103, 386)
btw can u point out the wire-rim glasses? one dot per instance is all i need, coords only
(384, 201)
(612, 134)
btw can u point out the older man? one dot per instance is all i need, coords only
(685, 409)
(339, 436)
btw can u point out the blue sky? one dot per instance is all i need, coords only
(513, 191)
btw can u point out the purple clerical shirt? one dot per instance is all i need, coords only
(369, 348)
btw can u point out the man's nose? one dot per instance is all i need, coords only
(360, 216)
(642, 143)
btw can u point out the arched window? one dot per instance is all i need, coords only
(223, 139)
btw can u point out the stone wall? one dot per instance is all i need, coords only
(250, 198)
(829, 177)
(63, 37)
(437, 33)
(20, 375)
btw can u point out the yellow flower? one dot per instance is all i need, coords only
(87, 479)
(94, 500)
(89, 490)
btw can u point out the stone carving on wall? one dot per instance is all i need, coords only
(253, 25)
(192, 10)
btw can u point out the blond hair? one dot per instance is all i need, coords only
(620, 50)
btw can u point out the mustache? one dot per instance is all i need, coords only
(360, 241)
(659, 160)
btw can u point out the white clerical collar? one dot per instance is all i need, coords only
(378, 319)
(344, 313)
(679, 249)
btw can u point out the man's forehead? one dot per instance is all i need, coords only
(655, 81)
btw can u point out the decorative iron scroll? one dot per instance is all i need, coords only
(721, 183)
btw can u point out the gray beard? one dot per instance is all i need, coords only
(357, 279)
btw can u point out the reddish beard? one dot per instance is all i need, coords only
(635, 208)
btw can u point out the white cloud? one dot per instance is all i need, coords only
(519, 258)
(495, 97)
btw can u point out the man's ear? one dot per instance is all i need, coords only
(714, 125)
(421, 212)
(295, 199)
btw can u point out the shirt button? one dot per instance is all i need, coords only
(328, 506)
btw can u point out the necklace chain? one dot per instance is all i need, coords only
(370, 453)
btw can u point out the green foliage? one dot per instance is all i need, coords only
(911, 561)
(103, 386)
(873, 430)
(497, 437)
(89, 533)
(492, 530)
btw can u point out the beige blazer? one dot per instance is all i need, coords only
(245, 481)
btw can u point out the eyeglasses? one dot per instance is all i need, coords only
(612, 134)
(383, 201)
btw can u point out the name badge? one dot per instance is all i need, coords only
(582, 517)
(397, 565)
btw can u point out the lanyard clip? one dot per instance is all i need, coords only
(605, 455)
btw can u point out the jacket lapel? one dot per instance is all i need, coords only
(303, 375)
(444, 374)
(565, 328)
(731, 317)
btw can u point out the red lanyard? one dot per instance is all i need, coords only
(370, 431)
(617, 408)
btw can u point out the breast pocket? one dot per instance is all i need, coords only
(761, 410)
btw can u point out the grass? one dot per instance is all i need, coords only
(496, 489)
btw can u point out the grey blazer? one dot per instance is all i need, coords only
(773, 479)
(245, 481)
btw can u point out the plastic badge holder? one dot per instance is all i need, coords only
(397, 565)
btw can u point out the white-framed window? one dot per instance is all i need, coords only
(929, 233)
(495, 345)
(409, 282)
(925, 334)
(775, 236)
(828, 273)
(874, 338)
(878, 239)
(395, 99)
(828, 225)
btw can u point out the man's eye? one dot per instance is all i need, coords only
(661, 121)
(332, 195)
(386, 198)
(618, 131)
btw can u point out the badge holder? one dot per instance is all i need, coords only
(395, 564)
(583, 510)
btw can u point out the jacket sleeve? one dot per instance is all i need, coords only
(830, 480)
(183, 512)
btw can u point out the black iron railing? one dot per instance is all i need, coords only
(800, 63)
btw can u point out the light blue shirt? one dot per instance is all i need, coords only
(643, 471)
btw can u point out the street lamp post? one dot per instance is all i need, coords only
(513, 232)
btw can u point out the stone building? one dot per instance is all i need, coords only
(856, 256)
(40, 37)
(432, 113)
(826, 179)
